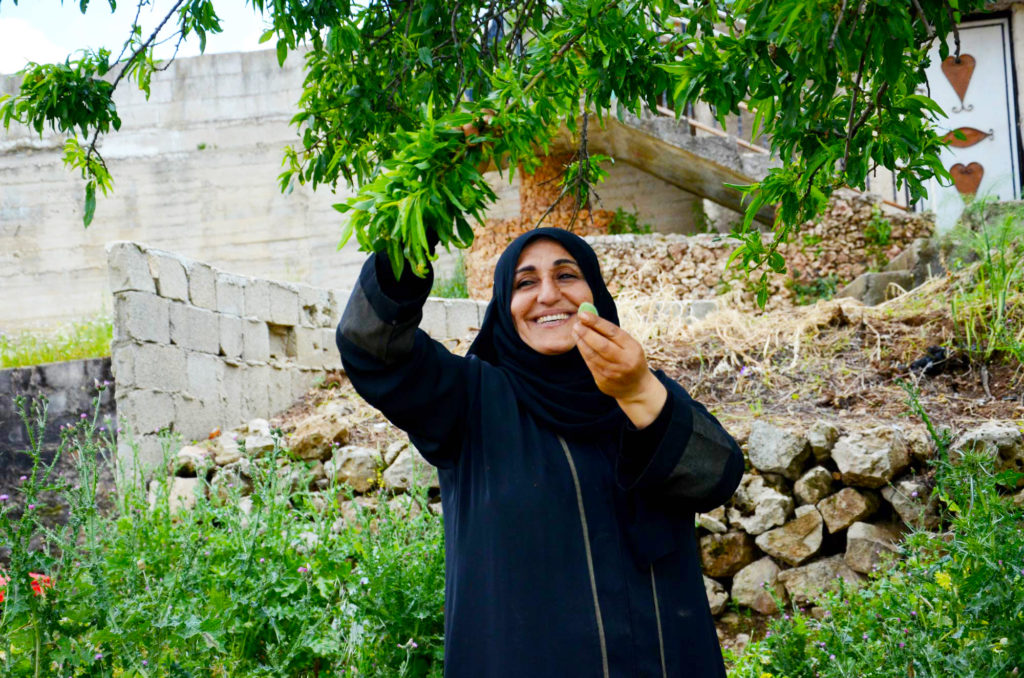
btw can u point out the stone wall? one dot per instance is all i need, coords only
(196, 349)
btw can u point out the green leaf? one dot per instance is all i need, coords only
(425, 57)
(90, 204)
(282, 52)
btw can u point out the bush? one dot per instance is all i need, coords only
(265, 586)
(952, 606)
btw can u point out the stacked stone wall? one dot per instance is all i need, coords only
(196, 348)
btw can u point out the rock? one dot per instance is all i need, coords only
(1000, 441)
(181, 494)
(258, 427)
(846, 507)
(191, 460)
(723, 555)
(1018, 499)
(813, 486)
(717, 596)
(713, 521)
(305, 542)
(403, 507)
(317, 471)
(869, 546)
(758, 508)
(258, 445)
(871, 458)
(797, 540)
(225, 450)
(358, 510)
(318, 501)
(807, 582)
(774, 450)
(822, 438)
(873, 288)
(294, 478)
(920, 445)
(317, 435)
(911, 499)
(227, 482)
(436, 508)
(355, 466)
(393, 450)
(410, 469)
(751, 586)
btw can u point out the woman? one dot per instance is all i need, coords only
(570, 473)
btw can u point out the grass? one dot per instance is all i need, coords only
(88, 338)
(275, 583)
(452, 286)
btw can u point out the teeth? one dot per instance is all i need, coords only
(552, 318)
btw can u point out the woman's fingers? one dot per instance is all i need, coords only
(615, 359)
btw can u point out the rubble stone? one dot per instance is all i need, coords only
(751, 585)
(871, 458)
(357, 466)
(846, 507)
(813, 486)
(775, 450)
(869, 546)
(822, 437)
(808, 582)
(723, 555)
(717, 596)
(757, 508)
(1000, 441)
(911, 499)
(797, 540)
(408, 470)
(315, 436)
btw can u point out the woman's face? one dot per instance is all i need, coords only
(547, 290)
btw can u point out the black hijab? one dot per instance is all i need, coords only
(558, 390)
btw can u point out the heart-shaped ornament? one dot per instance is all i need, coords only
(967, 178)
(959, 74)
(970, 136)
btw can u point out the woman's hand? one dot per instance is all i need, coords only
(619, 366)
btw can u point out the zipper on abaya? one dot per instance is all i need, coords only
(590, 557)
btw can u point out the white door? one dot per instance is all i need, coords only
(977, 95)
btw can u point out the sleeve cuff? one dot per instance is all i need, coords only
(393, 300)
(643, 457)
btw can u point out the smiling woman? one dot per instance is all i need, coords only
(570, 472)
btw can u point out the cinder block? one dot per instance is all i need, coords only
(196, 329)
(332, 358)
(159, 366)
(128, 268)
(256, 391)
(141, 454)
(314, 306)
(302, 381)
(194, 418)
(279, 389)
(338, 300)
(462, 316)
(434, 320)
(231, 337)
(204, 376)
(231, 396)
(169, 271)
(202, 285)
(141, 316)
(255, 340)
(257, 299)
(122, 365)
(145, 410)
(284, 304)
(230, 294)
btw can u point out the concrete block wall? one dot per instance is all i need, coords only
(197, 349)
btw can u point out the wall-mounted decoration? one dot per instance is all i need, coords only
(967, 178)
(968, 136)
(959, 72)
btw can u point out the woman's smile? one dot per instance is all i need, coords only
(547, 290)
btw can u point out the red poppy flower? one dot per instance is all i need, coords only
(40, 582)
(3, 587)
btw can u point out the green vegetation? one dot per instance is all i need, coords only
(627, 222)
(809, 293)
(988, 302)
(877, 239)
(452, 286)
(467, 85)
(953, 605)
(277, 587)
(88, 338)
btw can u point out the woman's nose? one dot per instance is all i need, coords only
(549, 292)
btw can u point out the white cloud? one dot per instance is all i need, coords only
(20, 42)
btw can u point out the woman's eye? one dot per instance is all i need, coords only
(523, 283)
(568, 276)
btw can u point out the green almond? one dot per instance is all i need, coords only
(588, 307)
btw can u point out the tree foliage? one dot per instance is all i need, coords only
(410, 101)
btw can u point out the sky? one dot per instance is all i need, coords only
(47, 30)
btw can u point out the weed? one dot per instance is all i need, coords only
(452, 286)
(877, 239)
(88, 338)
(627, 222)
(809, 293)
